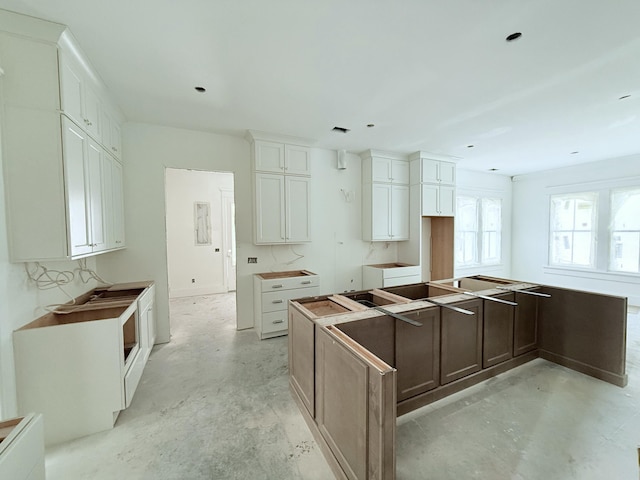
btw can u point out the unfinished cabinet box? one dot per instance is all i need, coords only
(271, 294)
(82, 384)
(389, 274)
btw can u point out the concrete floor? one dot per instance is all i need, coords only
(215, 404)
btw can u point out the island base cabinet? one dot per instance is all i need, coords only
(498, 331)
(356, 407)
(461, 341)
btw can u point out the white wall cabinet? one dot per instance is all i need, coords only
(282, 194)
(385, 197)
(271, 294)
(437, 185)
(52, 127)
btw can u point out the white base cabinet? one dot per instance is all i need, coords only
(271, 294)
(81, 368)
(390, 275)
(22, 448)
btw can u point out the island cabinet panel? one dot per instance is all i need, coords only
(356, 407)
(498, 331)
(585, 331)
(418, 353)
(376, 334)
(301, 357)
(461, 341)
(525, 333)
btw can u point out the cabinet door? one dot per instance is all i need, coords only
(71, 95)
(447, 173)
(498, 331)
(400, 172)
(399, 212)
(525, 335)
(297, 219)
(418, 354)
(381, 211)
(269, 157)
(117, 189)
(447, 201)
(430, 197)
(75, 172)
(297, 160)
(461, 341)
(97, 217)
(115, 139)
(381, 169)
(91, 112)
(301, 357)
(430, 171)
(269, 208)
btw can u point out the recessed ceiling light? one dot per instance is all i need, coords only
(340, 129)
(470, 146)
(370, 125)
(513, 36)
(493, 169)
(623, 97)
(200, 89)
(575, 153)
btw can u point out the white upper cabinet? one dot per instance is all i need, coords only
(59, 194)
(111, 136)
(437, 185)
(78, 99)
(385, 197)
(275, 157)
(282, 193)
(437, 171)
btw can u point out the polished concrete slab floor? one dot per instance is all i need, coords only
(215, 404)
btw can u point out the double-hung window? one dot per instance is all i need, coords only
(478, 231)
(573, 229)
(624, 248)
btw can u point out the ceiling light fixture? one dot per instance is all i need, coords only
(623, 97)
(513, 36)
(340, 129)
(200, 89)
(470, 146)
(370, 125)
(493, 169)
(575, 153)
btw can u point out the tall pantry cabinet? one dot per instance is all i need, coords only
(282, 178)
(61, 146)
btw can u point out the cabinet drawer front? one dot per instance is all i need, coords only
(290, 282)
(132, 378)
(407, 271)
(275, 321)
(278, 300)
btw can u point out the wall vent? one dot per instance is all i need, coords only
(340, 129)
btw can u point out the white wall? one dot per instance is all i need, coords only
(20, 303)
(336, 253)
(186, 260)
(481, 184)
(531, 224)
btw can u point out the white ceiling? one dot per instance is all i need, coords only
(431, 75)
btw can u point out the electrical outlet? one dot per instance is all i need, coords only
(193, 280)
(217, 249)
(252, 260)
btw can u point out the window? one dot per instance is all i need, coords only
(625, 231)
(478, 231)
(573, 229)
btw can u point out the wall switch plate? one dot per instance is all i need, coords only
(252, 260)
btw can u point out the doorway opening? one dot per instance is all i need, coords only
(200, 228)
